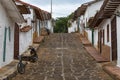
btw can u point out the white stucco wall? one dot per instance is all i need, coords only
(25, 41)
(50, 26)
(38, 27)
(73, 27)
(118, 41)
(95, 37)
(5, 21)
(89, 34)
(25, 38)
(81, 24)
(92, 10)
(103, 26)
(29, 17)
(70, 29)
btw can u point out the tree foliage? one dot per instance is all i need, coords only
(61, 24)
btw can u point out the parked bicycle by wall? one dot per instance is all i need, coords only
(32, 58)
(21, 66)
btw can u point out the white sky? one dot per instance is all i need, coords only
(61, 8)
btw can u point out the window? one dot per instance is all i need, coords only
(107, 33)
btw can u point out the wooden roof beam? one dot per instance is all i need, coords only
(109, 8)
(115, 1)
(112, 5)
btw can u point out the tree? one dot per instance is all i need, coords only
(61, 25)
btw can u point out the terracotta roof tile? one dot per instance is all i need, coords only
(41, 14)
(25, 28)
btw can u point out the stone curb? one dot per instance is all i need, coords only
(9, 72)
(113, 71)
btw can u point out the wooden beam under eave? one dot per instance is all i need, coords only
(107, 15)
(108, 11)
(112, 5)
(96, 23)
(108, 7)
(114, 2)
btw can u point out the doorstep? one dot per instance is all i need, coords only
(113, 71)
(95, 54)
(85, 42)
(38, 40)
(9, 71)
(92, 51)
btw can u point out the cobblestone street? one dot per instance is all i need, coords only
(63, 57)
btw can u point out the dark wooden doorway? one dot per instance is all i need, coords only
(103, 36)
(16, 41)
(114, 39)
(100, 41)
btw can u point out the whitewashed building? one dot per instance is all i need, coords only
(73, 27)
(9, 17)
(92, 8)
(20, 24)
(84, 14)
(106, 30)
(31, 29)
(117, 35)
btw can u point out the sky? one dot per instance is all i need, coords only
(61, 8)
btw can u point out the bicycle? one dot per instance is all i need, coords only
(21, 66)
(32, 58)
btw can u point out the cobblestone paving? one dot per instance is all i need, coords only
(63, 57)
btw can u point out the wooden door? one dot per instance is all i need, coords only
(114, 39)
(100, 41)
(103, 36)
(16, 41)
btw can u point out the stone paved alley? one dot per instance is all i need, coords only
(63, 57)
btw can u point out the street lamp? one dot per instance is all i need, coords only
(51, 8)
(51, 18)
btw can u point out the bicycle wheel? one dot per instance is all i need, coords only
(21, 68)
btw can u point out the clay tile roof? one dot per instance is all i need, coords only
(39, 12)
(25, 28)
(81, 10)
(23, 9)
(107, 10)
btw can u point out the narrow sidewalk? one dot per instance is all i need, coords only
(9, 71)
(112, 70)
(109, 67)
(91, 50)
